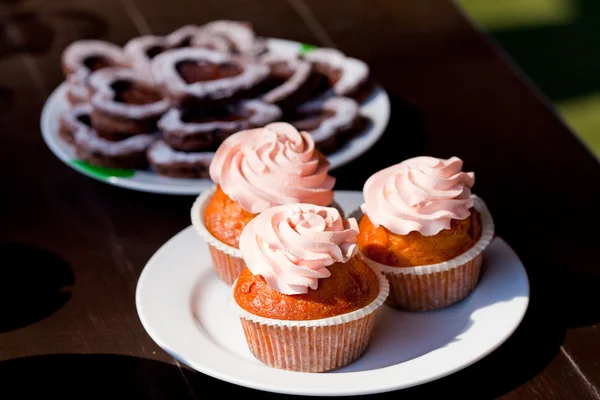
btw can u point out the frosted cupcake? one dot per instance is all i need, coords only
(254, 170)
(425, 231)
(306, 301)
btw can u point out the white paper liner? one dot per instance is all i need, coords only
(312, 346)
(384, 290)
(487, 233)
(413, 292)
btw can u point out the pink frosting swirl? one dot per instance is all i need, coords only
(420, 194)
(292, 245)
(270, 166)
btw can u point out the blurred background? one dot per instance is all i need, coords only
(555, 43)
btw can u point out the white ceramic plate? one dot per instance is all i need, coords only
(184, 308)
(376, 107)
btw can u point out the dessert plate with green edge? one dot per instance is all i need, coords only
(376, 108)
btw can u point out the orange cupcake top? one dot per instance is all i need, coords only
(418, 212)
(351, 286)
(414, 249)
(225, 219)
(302, 264)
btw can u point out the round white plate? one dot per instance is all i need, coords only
(184, 307)
(376, 107)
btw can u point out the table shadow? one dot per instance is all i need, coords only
(580, 295)
(35, 35)
(7, 99)
(92, 376)
(10, 2)
(523, 356)
(402, 139)
(34, 283)
(38, 32)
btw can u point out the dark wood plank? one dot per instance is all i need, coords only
(68, 288)
(271, 18)
(463, 98)
(53, 25)
(451, 95)
(73, 221)
(106, 233)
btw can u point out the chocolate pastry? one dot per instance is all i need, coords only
(73, 119)
(124, 104)
(81, 58)
(347, 76)
(331, 121)
(236, 37)
(178, 164)
(142, 49)
(200, 129)
(291, 81)
(129, 153)
(202, 76)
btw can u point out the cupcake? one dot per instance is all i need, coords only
(425, 231)
(254, 170)
(306, 301)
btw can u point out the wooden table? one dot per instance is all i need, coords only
(72, 248)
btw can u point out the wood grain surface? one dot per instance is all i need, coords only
(72, 248)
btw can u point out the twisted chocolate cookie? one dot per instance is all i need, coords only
(199, 129)
(124, 104)
(178, 164)
(81, 58)
(142, 49)
(331, 121)
(347, 76)
(202, 76)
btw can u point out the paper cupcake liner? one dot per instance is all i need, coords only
(412, 292)
(435, 286)
(226, 267)
(228, 262)
(312, 345)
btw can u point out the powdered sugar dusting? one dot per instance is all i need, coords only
(77, 52)
(263, 113)
(70, 117)
(345, 110)
(88, 140)
(240, 34)
(161, 153)
(164, 70)
(137, 48)
(301, 72)
(259, 113)
(207, 40)
(78, 91)
(354, 72)
(103, 99)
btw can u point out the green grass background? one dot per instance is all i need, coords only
(557, 44)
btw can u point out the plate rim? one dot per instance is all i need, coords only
(194, 186)
(156, 337)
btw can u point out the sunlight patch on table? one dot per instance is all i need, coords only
(583, 116)
(511, 14)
